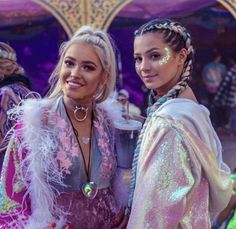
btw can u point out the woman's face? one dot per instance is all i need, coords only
(7, 67)
(155, 62)
(81, 74)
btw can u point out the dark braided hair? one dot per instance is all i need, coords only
(177, 37)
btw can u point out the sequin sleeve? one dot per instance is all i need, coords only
(170, 186)
(14, 203)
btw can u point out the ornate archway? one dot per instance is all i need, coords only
(230, 5)
(72, 14)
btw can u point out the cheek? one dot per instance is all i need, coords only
(62, 80)
(137, 69)
(96, 83)
(166, 57)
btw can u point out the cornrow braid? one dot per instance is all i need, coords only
(177, 38)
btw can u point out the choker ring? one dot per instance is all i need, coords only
(83, 110)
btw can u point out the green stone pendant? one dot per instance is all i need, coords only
(90, 190)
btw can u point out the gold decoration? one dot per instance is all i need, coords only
(7, 204)
(230, 5)
(72, 14)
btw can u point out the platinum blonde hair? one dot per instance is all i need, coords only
(103, 45)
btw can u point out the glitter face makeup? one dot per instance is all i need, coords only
(155, 62)
(166, 57)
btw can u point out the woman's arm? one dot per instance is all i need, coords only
(165, 179)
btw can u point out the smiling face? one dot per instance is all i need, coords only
(157, 65)
(81, 74)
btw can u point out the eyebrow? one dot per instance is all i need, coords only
(148, 51)
(84, 62)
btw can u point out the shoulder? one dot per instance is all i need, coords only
(8, 97)
(191, 118)
(189, 113)
(31, 111)
(6, 91)
(163, 124)
(181, 108)
(15, 92)
(36, 104)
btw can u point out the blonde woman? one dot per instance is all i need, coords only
(62, 150)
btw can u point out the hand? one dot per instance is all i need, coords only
(121, 220)
(126, 116)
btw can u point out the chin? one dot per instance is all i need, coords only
(72, 96)
(150, 86)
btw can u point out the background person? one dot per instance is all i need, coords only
(213, 73)
(14, 87)
(225, 98)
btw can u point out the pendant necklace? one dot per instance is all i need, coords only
(89, 188)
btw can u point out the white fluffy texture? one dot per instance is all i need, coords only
(39, 171)
(114, 112)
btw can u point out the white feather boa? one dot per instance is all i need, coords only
(38, 169)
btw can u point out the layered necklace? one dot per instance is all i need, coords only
(84, 110)
(89, 188)
(81, 109)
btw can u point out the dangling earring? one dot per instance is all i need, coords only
(83, 110)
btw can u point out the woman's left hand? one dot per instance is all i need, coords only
(121, 220)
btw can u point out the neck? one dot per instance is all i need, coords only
(159, 94)
(170, 84)
(71, 105)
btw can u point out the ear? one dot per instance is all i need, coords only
(182, 56)
(104, 79)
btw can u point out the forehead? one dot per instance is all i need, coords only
(148, 41)
(82, 51)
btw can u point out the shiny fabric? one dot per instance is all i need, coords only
(97, 213)
(31, 170)
(180, 180)
(10, 95)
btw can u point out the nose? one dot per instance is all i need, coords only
(144, 65)
(75, 72)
